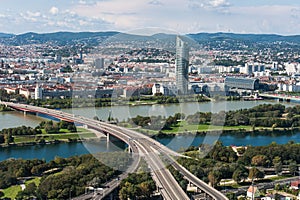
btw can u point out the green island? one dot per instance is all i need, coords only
(261, 119)
(45, 132)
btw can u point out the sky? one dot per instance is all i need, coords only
(179, 16)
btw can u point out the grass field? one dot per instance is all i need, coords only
(12, 191)
(36, 180)
(62, 135)
(184, 126)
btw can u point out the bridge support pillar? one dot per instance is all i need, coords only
(129, 149)
(107, 137)
(25, 112)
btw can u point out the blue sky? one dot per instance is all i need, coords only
(180, 16)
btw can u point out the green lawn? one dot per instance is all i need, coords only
(12, 191)
(81, 133)
(36, 180)
(184, 126)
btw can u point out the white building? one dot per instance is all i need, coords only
(288, 87)
(252, 67)
(166, 90)
(292, 68)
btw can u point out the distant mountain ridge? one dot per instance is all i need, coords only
(59, 38)
(94, 38)
(5, 35)
(245, 37)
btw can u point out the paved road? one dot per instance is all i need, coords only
(148, 147)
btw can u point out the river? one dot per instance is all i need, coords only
(48, 152)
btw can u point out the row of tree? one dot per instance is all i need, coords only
(52, 127)
(75, 173)
(137, 186)
(7, 135)
(266, 115)
(156, 122)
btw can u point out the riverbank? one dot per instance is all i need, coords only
(4, 108)
(108, 102)
(224, 131)
(82, 135)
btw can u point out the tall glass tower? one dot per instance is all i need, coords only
(182, 64)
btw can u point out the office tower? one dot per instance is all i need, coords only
(182, 64)
(99, 63)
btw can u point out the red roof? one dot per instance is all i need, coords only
(295, 183)
(252, 189)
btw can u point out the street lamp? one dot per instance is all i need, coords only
(252, 189)
(70, 194)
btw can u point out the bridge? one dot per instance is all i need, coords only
(150, 149)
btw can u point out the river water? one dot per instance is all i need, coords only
(48, 152)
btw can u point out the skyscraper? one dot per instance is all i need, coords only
(182, 64)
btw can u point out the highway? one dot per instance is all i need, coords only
(145, 146)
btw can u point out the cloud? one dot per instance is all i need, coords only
(218, 3)
(53, 10)
(33, 14)
(156, 3)
(182, 16)
(30, 16)
(87, 2)
(220, 6)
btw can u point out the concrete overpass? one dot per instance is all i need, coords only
(150, 149)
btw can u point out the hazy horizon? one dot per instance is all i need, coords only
(182, 16)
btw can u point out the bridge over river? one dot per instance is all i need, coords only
(150, 149)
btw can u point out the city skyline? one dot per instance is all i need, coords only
(182, 16)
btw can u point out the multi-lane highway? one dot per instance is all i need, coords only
(145, 146)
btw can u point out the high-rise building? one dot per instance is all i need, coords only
(182, 64)
(99, 63)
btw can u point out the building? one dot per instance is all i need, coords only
(288, 87)
(182, 64)
(249, 68)
(166, 90)
(27, 92)
(295, 185)
(253, 192)
(99, 63)
(242, 83)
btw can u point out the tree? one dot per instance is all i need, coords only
(28, 192)
(259, 160)
(214, 177)
(2, 140)
(96, 118)
(241, 173)
(146, 188)
(293, 167)
(255, 173)
(8, 138)
(277, 164)
(129, 191)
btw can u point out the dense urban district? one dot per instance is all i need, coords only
(77, 70)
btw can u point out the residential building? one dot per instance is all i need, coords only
(253, 192)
